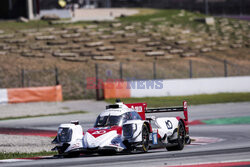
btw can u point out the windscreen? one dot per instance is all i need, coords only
(108, 121)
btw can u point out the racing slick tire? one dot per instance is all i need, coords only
(181, 134)
(145, 138)
(107, 152)
(72, 155)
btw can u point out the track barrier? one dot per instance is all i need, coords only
(31, 94)
(176, 87)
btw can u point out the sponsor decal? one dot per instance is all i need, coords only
(137, 108)
(185, 105)
(76, 145)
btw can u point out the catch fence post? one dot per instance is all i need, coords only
(56, 76)
(22, 77)
(97, 82)
(225, 68)
(154, 70)
(190, 69)
(121, 72)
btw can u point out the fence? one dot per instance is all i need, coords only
(77, 82)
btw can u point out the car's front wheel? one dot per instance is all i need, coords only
(145, 138)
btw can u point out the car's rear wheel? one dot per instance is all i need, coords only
(180, 142)
(145, 138)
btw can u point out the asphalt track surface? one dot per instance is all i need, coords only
(232, 142)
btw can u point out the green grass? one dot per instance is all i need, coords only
(170, 16)
(192, 100)
(25, 155)
(143, 16)
(44, 115)
(12, 25)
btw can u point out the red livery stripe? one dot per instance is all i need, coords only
(28, 132)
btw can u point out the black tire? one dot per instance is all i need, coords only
(180, 140)
(128, 146)
(145, 138)
(60, 152)
(107, 152)
(72, 155)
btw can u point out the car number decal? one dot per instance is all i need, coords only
(169, 124)
(99, 132)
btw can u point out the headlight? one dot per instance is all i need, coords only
(64, 134)
(129, 130)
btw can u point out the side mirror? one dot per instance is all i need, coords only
(55, 141)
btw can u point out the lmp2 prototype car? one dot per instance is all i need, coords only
(125, 128)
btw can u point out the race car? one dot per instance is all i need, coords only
(125, 128)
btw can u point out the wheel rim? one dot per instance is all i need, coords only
(145, 138)
(181, 134)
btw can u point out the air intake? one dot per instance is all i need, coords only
(112, 106)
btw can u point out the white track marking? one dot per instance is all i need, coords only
(205, 140)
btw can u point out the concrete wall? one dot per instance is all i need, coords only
(176, 87)
(180, 87)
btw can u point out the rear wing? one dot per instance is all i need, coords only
(170, 109)
(142, 109)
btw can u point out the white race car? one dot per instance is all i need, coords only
(125, 127)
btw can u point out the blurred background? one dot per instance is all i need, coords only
(11, 9)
